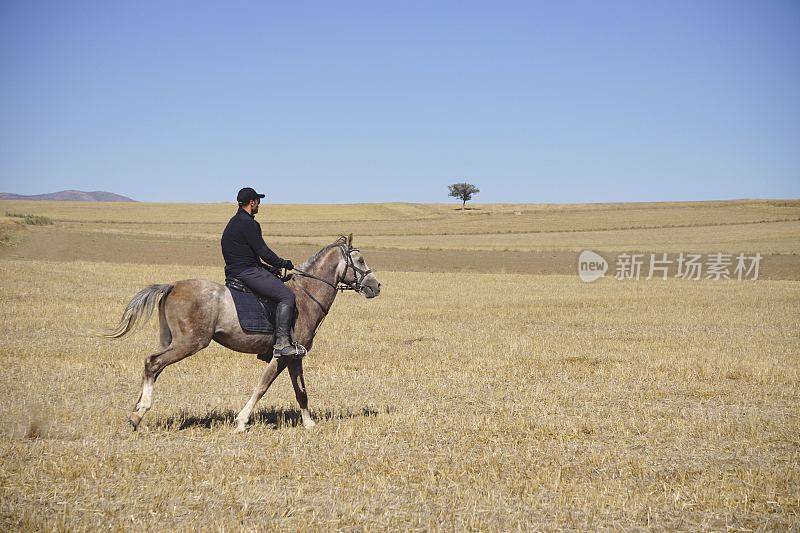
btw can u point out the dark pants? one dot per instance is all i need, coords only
(262, 281)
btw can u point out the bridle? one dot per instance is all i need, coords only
(359, 274)
(357, 285)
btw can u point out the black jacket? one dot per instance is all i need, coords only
(242, 245)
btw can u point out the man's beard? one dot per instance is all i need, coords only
(254, 211)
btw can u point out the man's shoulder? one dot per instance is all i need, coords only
(232, 221)
(236, 224)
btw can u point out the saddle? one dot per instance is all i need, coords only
(255, 313)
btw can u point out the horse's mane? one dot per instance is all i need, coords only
(313, 259)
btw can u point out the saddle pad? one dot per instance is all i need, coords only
(255, 315)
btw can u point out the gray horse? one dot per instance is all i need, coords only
(194, 312)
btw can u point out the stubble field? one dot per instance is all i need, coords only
(455, 400)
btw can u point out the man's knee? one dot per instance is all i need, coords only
(287, 297)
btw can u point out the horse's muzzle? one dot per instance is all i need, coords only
(370, 291)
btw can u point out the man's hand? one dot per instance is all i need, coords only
(288, 265)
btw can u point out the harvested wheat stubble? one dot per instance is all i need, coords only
(455, 400)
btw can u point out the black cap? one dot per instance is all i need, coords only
(247, 194)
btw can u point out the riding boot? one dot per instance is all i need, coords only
(283, 328)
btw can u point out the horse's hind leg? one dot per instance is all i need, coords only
(164, 333)
(299, 384)
(274, 368)
(153, 366)
(165, 339)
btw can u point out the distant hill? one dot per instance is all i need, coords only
(69, 196)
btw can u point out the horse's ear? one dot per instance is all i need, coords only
(350, 241)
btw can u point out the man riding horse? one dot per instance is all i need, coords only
(243, 248)
(194, 312)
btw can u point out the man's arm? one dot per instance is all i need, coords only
(254, 238)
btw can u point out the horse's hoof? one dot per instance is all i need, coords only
(308, 424)
(241, 427)
(133, 420)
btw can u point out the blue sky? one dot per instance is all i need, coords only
(377, 101)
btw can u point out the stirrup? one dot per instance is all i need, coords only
(298, 351)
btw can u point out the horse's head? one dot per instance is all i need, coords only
(354, 272)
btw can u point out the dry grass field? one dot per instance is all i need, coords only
(771, 226)
(515, 238)
(455, 400)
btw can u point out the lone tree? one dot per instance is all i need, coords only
(463, 191)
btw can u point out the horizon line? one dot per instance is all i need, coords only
(473, 203)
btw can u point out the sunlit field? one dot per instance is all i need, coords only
(768, 226)
(455, 400)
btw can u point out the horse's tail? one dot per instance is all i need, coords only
(139, 308)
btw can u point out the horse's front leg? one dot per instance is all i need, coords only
(274, 368)
(299, 384)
